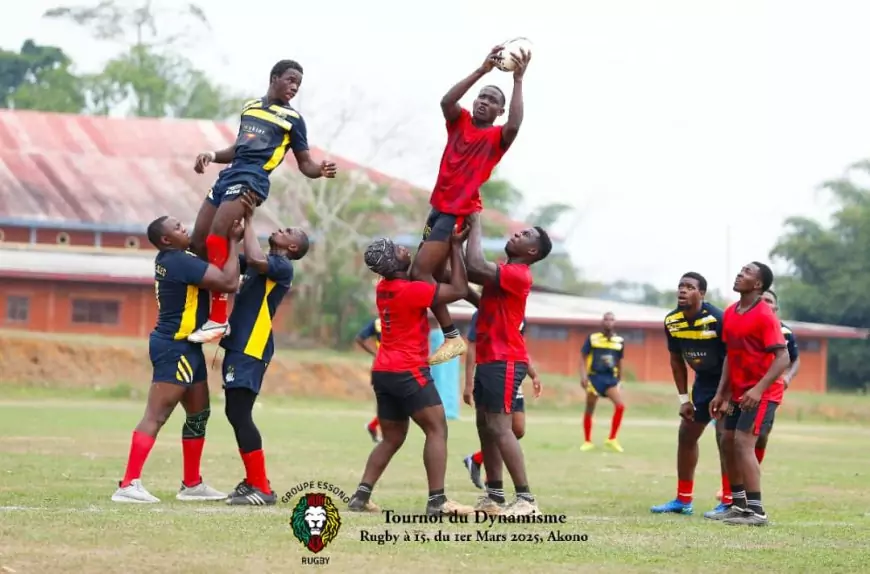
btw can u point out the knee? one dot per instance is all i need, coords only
(393, 441)
(156, 418)
(744, 440)
(687, 437)
(194, 424)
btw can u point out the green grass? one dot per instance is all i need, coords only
(62, 454)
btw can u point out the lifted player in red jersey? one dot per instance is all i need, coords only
(474, 147)
(502, 360)
(750, 390)
(403, 385)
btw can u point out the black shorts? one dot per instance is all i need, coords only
(496, 384)
(400, 395)
(439, 226)
(702, 395)
(758, 421)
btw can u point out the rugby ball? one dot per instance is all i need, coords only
(503, 60)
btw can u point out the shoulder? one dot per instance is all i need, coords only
(516, 270)
(252, 103)
(377, 325)
(674, 316)
(617, 339)
(786, 330)
(713, 310)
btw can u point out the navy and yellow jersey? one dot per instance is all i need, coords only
(790, 343)
(699, 341)
(603, 354)
(266, 133)
(182, 307)
(254, 308)
(373, 329)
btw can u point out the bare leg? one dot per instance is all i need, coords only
(433, 422)
(428, 264)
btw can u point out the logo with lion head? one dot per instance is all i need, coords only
(315, 521)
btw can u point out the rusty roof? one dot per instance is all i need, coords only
(124, 172)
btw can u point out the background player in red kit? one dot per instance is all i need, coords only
(403, 385)
(474, 147)
(502, 360)
(749, 391)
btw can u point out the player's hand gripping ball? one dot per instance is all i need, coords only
(504, 60)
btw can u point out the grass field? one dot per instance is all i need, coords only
(62, 454)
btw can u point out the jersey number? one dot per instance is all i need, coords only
(385, 323)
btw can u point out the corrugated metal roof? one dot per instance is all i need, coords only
(126, 171)
(550, 308)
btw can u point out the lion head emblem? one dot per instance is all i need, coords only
(315, 521)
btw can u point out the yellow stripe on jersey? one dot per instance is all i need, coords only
(262, 326)
(694, 335)
(188, 316)
(283, 111)
(278, 154)
(269, 117)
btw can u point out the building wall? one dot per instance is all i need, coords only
(130, 311)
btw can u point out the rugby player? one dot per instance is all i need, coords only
(181, 282)
(372, 330)
(694, 334)
(474, 147)
(600, 374)
(269, 128)
(750, 390)
(250, 346)
(401, 379)
(502, 360)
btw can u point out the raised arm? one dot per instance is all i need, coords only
(254, 256)
(479, 269)
(450, 102)
(515, 112)
(225, 155)
(458, 287)
(225, 280)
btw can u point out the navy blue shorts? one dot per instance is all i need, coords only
(241, 371)
(439, 226)
(221, 192)
(179, 362)
(599, 384)
(702, 395)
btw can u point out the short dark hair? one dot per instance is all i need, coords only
(155, 231)
(499, 90)
(766, 275)
(304, 244)
(775, 296)
(544, 243)
(279, 68)
(702, 281)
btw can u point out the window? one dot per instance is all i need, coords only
(95, 311)
(633, 336)
(546, 332)
(810, 345)
(17, 308)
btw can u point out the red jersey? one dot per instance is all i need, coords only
(403, 309)
(750, 339)
(469, 157)
(501, 315)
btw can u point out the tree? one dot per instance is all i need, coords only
(829, 276)
(39, 78)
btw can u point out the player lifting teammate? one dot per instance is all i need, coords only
(250, 345)
(502, 360)
(269, 127)
(749, 391)
(403, 385)
(474, 147)
(600, 373)
(181, 281)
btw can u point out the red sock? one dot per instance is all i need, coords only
(373, 426)
(477, 457)
(217, 248)
(684, 490)
(191, 449)
(759, 454)
(616, 421)
(587, 427)
(726, 490)
(140, 447)
(255, 470)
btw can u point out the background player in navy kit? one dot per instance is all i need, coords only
(600, 373)
(269, 128)
(180, 374)
(694, 334)
(250, 346)
(372, 330)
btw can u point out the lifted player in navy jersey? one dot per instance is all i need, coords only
(181, 282)
(694, 334)
(250, 345)
(600, 374)
(269, 128)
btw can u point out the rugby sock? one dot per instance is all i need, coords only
(587, 427)
(217, 249)
(191, 449)
(726, 491)
(759, 454)
(255, 470)
(495, 491)
(363, 491)
(437, 497)
(616, 421)
(753, 502)
(373, 426)
(523, 493)
(450, 331)
(685, 488)
(140, 447)
(477, 458)
(738, 495)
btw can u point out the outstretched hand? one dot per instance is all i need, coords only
(237, 230)
(521, 63)
(202, 161)
(460, 235)
(491, 59)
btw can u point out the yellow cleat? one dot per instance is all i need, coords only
(587, 446)
(450, 349)
(613, 445)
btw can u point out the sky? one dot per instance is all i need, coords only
(683, 132)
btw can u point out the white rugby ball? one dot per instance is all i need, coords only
(503, 60)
